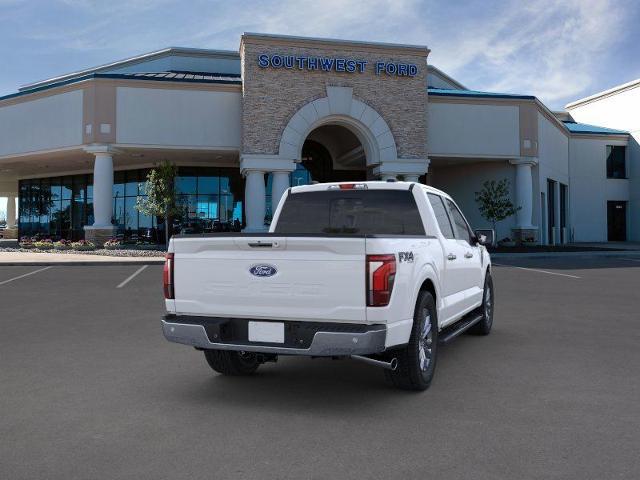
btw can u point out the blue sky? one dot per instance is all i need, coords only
(557, 50)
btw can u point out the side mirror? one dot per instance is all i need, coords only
(485, 237)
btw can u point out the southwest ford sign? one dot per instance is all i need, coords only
(334, 64)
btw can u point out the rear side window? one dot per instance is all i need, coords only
(351, 212)
(442, 217)
(462, 229)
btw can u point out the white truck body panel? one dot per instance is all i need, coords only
(324, 278)
(316, 279)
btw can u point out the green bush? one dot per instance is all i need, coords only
(83, 245)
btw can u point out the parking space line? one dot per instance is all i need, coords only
(632, 259)
(536, 270)
(131, 277)
(25, 275)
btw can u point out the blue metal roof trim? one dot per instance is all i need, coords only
(585, 128)
(226, 79)
(444, 92)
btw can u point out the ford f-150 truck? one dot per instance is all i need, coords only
(381, 272)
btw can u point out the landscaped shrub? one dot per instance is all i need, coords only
(62, 245)
(83, 245)
(146, 246)
(113, 244)
(46, 244)
(26, 242)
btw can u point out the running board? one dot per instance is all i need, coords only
(459, 327)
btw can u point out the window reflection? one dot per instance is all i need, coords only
(59, 207)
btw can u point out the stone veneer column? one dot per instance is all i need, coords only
(102, 229)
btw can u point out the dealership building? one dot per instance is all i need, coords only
(244, 126)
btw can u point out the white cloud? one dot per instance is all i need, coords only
(545, 48)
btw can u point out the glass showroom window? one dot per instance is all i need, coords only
(130, 224)
(60, 207)
(616, 161)
(210, 199)
(54, 207)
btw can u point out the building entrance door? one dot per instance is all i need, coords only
(617, 221)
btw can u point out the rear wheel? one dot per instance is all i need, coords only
(232, 363)
(483, 327)
(417, 361)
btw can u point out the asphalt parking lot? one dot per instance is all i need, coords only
(89, 388)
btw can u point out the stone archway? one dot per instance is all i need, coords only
(340, 108)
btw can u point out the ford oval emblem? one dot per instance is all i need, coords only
(263, 270)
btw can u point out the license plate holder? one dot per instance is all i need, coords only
(266, 332)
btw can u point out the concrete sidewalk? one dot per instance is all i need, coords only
(33, 258)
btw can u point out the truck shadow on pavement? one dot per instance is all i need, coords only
(314, 386)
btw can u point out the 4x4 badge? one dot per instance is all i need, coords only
(406, 257)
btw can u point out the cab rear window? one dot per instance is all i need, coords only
(351, 212)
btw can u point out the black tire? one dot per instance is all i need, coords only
(232, 363)
(414, 371)
(483, 327)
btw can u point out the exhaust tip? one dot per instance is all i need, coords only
(393, 364)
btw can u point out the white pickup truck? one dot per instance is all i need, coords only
(381, 272)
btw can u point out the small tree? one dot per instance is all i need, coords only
(494, 201)
(160, 191)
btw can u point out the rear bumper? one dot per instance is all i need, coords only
(301, 338)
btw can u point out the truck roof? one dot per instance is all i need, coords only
(371, 185)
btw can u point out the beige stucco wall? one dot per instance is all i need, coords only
(54, 121)
(467, 129)
(271, 96)
(178, 117)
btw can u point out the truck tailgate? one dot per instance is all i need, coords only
(294, 278)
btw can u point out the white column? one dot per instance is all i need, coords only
(279, 185)
(103, 190)
(524, 193)
(11, 212)
(253, 166)
(409, 168)
(254, 198)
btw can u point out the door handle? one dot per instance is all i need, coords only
(468, 255)
(451, 256)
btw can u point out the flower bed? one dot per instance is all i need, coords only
(62, 245)
(113, 244)
(129, 252)
(83, 245)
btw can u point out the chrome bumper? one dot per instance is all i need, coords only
(324, 344)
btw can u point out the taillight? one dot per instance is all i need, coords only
(381, 273)
(348, 186)
(167, 277)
